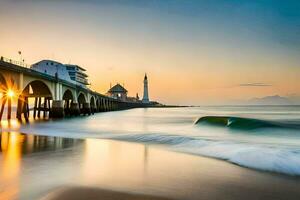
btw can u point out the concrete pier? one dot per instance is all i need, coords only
(86, 108)
(50, 94)
(74, 109)
(57, 110)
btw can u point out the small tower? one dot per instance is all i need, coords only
(145, 97)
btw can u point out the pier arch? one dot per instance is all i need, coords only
(36, 92)
(83, 104)
(68, 98)
(38, 86)
(68, 95)
(81, 99)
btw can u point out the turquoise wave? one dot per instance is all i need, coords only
(245, 123)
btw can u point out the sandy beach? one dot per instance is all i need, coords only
(107, 169)
(135, 168)
(169, 175)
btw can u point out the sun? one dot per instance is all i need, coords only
(10, 93)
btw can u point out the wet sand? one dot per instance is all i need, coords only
(79, 193)
(190, 177)
(158, 172)
(40, 167)
(131, 167)
(212, 180)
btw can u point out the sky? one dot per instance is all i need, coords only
(194, 51)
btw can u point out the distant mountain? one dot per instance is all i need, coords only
(295, 98)
(270, 100)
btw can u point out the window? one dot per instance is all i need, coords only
(70, 68)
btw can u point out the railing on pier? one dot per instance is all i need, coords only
(18, 63)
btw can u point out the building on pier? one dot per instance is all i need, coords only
(70, 73)
(77, 74)
(117, 92)
(52, 68)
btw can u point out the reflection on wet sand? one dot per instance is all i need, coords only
(118, 163)
(13, 146)
(10, 164)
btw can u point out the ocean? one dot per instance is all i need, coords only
(265, 138)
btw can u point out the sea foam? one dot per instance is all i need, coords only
(268, 158)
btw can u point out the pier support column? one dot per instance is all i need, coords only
(45, 107)
(102, 105)
(19, 108)
(39, 107)
(25, 108)
(74, 109)
(106, 105)
(57, 110)
(2, 107)
(67, 106)
(86, 108)
(9, 108)
(35, 107)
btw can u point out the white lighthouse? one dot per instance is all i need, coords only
(145, 96)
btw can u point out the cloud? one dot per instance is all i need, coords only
(255, 85)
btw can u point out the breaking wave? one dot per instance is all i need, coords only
(244, 123)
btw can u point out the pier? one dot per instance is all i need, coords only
(46, 96)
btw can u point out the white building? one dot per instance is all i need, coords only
(77, 74)
(117, 92)
(71, 73)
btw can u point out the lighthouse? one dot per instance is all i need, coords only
(145, 96)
